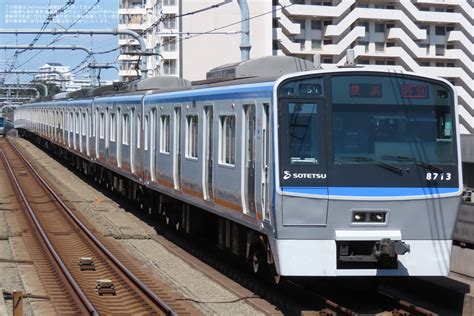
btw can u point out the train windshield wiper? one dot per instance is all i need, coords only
(379, 163)
(416, 161)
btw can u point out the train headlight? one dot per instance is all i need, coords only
(378, 217)
(369, 216)
(358, 217)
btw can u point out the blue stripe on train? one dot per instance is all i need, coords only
(368, 191)
(258, 90)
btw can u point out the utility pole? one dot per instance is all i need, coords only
(245, 28)
(100, 67)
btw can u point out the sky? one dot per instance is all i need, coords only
(32, 14)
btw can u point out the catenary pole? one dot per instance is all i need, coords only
(114, 32)
(245, 30)
(56, 47)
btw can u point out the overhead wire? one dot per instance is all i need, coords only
(80, 67)
(235, 23)
(180, 39)
(168, 17)
(59, 37)
(48, 20)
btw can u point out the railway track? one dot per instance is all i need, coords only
(78, 271)
(290, 297)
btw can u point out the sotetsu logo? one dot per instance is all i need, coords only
(287, 175)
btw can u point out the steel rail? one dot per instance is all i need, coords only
(85, 301)
(152, 296)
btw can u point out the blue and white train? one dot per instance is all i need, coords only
(2, 125)
(303, 171)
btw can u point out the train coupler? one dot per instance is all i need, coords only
(390, 248)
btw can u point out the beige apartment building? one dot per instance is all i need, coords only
(433, 37)
(189, 46)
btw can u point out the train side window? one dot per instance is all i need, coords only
(192, 136)
(146, 132)
(113, 127)
(83, 124)
(102, 126)
(227, 140)
(165, 134)
(139, 130)
(76, 123)
(125, 129)
(90, 120)
(95, 118)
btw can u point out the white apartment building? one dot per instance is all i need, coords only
(434, 37)
(61, 76)
(138, 15)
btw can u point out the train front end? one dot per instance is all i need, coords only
(367, 174)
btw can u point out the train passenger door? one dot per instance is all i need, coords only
(132, 140)
(88, 132)
(107, 134)
(98, 128)
(177, 148)
(249, 159)
(265, 162)
(153, 128)
(118, 137)
(207, 161)
(139, 145)
(71, 129)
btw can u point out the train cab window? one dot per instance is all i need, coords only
(303, 133)
(102, 126)
(392, 119)
(165, 134)
(192, 136)
(113, 127)
(311, 87)
(125, 129)
(227, 140)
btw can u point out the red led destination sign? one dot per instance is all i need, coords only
(365, 90)
(414, 91)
